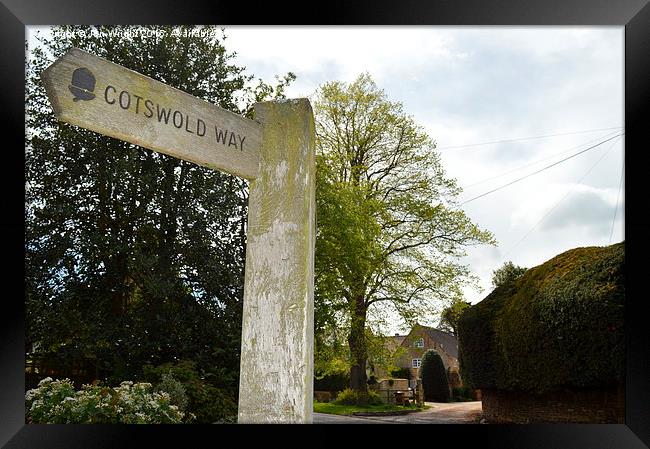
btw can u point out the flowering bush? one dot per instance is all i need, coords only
(57, 402)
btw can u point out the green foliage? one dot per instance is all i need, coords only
(174, 389)
(434, 377)
(389, 231)
(508, 272)
(462, 394)
(353, 397)
(331, 354)
(57, 402)
(400, 373)
(476, 339)
(450, 315)
(333, 382)
(558, 325)
(207, 399)
(382, 353)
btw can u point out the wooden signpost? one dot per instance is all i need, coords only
(96, 94)
(276, 152)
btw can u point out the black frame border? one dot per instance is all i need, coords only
(16, 15)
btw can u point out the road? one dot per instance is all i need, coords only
(439, 413)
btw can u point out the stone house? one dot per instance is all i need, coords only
(410, 348)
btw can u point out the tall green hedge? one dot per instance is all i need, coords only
(558, 325)
(434, 377)
(332, 382)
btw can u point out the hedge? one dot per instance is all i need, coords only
(332, 382)
(434, 377)
(559, 325)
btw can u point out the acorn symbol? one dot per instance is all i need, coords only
(83, 84)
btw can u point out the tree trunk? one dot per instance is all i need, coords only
(358, 349)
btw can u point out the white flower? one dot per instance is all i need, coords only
(142, 386)
(45, 381)
(31, 394)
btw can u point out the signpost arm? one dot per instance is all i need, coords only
(276, 377)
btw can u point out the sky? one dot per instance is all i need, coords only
(468, 86)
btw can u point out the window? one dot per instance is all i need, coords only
(419, 343)
(415, 363)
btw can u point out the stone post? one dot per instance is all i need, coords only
(419, 392)
(277, 355)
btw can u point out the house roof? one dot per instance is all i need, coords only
(393, 342)
(448, 341)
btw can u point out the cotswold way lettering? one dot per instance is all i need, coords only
(138, 104)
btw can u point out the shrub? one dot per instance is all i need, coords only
(353, 397)
(460, 394)
(434, 377)
(174, 389)
(207, 402)
(400, 373)
(559, 325)
(57, 402)
(332, 382)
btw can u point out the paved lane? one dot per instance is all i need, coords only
(439, 413)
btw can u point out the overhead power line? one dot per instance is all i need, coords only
(538, 161)
(558, 202)
(527, 138)
(542, 169)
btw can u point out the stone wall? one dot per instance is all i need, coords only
(323, 396)
(605, 406)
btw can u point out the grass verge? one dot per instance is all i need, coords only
(335, 409)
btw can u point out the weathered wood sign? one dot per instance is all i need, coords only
(278, 155)
(96, 94)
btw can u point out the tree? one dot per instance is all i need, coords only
(508, 272)
(450, 315)
(389, 231)
(434, 377)
(133, 257)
